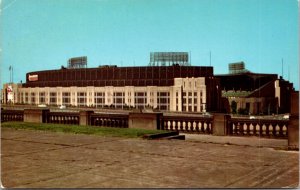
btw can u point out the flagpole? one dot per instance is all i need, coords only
(9, 73)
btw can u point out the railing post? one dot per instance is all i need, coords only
(36, 115)
(293, 132)
(84, 117)
(219, 125)
(144, 120)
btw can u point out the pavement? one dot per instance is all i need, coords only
(39, 159)
(252, 141)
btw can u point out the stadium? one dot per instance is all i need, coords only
(167, 83)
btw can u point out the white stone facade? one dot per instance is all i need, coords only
(187, 94)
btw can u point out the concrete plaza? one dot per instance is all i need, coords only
(36, 159)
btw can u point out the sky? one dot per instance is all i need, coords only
(43, 34)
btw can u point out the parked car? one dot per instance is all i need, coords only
(286, 117)
(62, 107)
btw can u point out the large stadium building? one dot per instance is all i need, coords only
(176, 87)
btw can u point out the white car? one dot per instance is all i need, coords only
(286, 117)
(62, 107)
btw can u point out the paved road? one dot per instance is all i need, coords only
(45, 159)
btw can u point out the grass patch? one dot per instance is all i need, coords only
(77, 129)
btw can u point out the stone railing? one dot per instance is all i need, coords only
(257, 127)
(109, 120)
(216, 124)
(188, 124)
(63, 118)
(12, 115)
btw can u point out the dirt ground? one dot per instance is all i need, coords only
(35, 159)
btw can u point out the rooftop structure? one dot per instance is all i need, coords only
(77, 62)
(169, 58)
(238, 67)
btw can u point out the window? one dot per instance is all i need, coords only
(119, 99)
(66, 99)
(42, 98)
(53, 98)
(163, 100)
(140, 99)
(32, 98)
(81, 99)
(99, 99)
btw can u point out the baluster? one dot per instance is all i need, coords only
(173, 124)
(204, 127)
(237, 128)
(251, 129)
(271, 130)
(267, 129)
(208, 131)
(210, 127)
(166, 125)
(197, 126)
(188, 125)
(194, 124)
(277, 128)
(280, 130)
(178, 124)
(264, 130)
(284, 129)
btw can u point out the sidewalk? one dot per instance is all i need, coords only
(241, 141)
(41, 159)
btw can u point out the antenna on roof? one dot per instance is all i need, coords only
(209, 58)
(289, 72)
(190, 58)
(282, 67)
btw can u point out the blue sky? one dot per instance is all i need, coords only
(44, 34)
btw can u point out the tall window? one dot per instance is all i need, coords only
(42, 98)
(22, 98)
(53, 98)
(81, 99)
(32, 98)
(99, 99)
(66, 98)
(26, 98)
(140, 99)
(163, 100)
(119, 99)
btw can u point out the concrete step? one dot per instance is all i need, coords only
(161, 135)
(178, 137)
